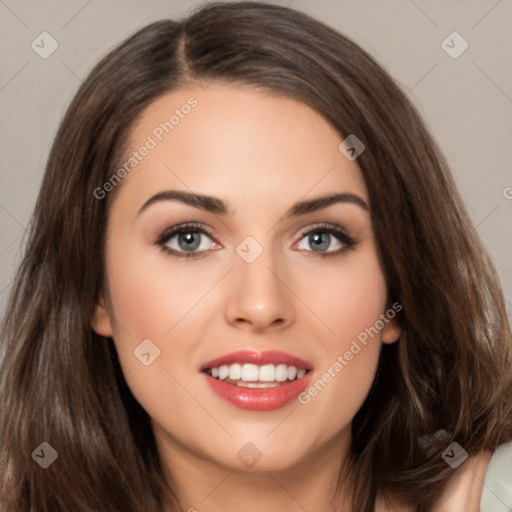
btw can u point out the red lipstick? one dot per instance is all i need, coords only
(258, 399)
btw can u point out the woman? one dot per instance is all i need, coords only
(173, 342)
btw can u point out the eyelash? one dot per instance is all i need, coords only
(192, 227)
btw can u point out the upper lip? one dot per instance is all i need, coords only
(258, 358)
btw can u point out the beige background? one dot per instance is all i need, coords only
(466, 102)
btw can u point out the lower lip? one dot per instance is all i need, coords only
(259, 399)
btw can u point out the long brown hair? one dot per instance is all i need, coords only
(61, 383)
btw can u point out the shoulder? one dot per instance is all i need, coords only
(483, 483)
(497, 489)
(464, 488)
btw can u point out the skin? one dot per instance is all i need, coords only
(462, 493)
(260, 154)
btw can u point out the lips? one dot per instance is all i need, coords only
(258, 358)
(258, 399)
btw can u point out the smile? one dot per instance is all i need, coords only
(238, 379)
(251, 375)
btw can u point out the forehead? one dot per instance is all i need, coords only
(236, 142)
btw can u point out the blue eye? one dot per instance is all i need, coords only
(188, 238)
(189, 241)
(322, 236)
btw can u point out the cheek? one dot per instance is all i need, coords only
(349, 295)
(150, 292)
(352, 309)
(155, 299)
(360, 304)
(360, 300)
(147, 304)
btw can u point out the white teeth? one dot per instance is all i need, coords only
(281, 372)
(292, 372)
(223, 371)
(252, 375)
(250, 372)
(244, 384)
(267, 373)
(235, 371)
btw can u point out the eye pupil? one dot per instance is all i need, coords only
(319, 240)
(191, 244)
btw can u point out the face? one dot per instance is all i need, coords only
(260, 267)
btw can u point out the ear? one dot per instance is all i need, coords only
(100, 322)
(392, 327)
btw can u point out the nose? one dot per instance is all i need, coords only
(259, 298)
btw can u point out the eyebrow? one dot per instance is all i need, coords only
(217, 206)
